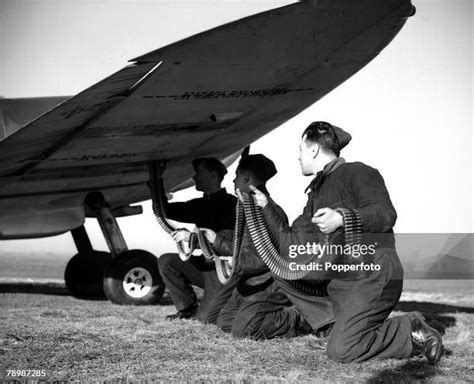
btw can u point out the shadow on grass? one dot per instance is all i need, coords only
(434, 313)
(56, 289)
(410, 371)
(45, 288)
(431, 308)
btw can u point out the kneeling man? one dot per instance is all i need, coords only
(257, 308)
(346, 198)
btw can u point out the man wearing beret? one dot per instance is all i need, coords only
(216, 210)
(346, 198)
(257, 308)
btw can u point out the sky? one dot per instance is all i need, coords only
(409, 111)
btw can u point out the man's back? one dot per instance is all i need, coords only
(216, 211)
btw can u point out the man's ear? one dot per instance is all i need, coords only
(314, 149)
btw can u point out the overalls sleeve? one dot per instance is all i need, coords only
(186, 212)
(302, 230)
(373, 202)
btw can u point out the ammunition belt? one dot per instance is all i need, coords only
(225, 265)
(267, 246)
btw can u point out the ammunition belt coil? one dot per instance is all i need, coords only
(352, 224)
(157, 194)
(225, 265)
(268, 248)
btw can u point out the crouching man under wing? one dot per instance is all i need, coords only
(215, 210)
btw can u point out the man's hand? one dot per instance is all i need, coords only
(181, 234)
(327, 219)
(210, 234)
(259, 197)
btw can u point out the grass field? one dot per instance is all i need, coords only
(43, 328)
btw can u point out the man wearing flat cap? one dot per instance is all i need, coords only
(215, 210)
(257, 308)
(349, 202)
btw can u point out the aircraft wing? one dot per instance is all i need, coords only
(209, 95)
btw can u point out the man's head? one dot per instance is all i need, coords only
(320, 143)
(253, 170)
(208, 174)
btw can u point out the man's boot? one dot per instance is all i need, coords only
(188, 313)
(302, 327)
(425, 339)
(322, 335)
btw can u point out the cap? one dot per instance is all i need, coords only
(342, 136)
(260, 165)
(211, 164)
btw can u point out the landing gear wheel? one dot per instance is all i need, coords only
(133, 279)
(85, 272)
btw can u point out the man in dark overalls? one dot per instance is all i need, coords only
(258, 308)
(215, 210)
(341, 196)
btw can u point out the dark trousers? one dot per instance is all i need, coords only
(317, 311)
(179, 276)
(262, 315)
(361, 308)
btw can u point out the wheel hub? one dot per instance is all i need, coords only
(138, 282)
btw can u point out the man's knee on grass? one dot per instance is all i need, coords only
(339, 350)
(244, 326)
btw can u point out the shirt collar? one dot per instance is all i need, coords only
(218, 193)
(328, 168)
(333, 165)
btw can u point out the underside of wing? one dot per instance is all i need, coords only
(209, 95)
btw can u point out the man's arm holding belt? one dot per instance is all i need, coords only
(302, 229)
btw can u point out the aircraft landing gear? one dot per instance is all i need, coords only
(125, 276)
(85, 271)
(133, 278)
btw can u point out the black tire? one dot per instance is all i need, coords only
(133, 279)
(85, 272)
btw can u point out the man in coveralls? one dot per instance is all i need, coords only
(257, 308)
(215, 210)
(361, 302)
